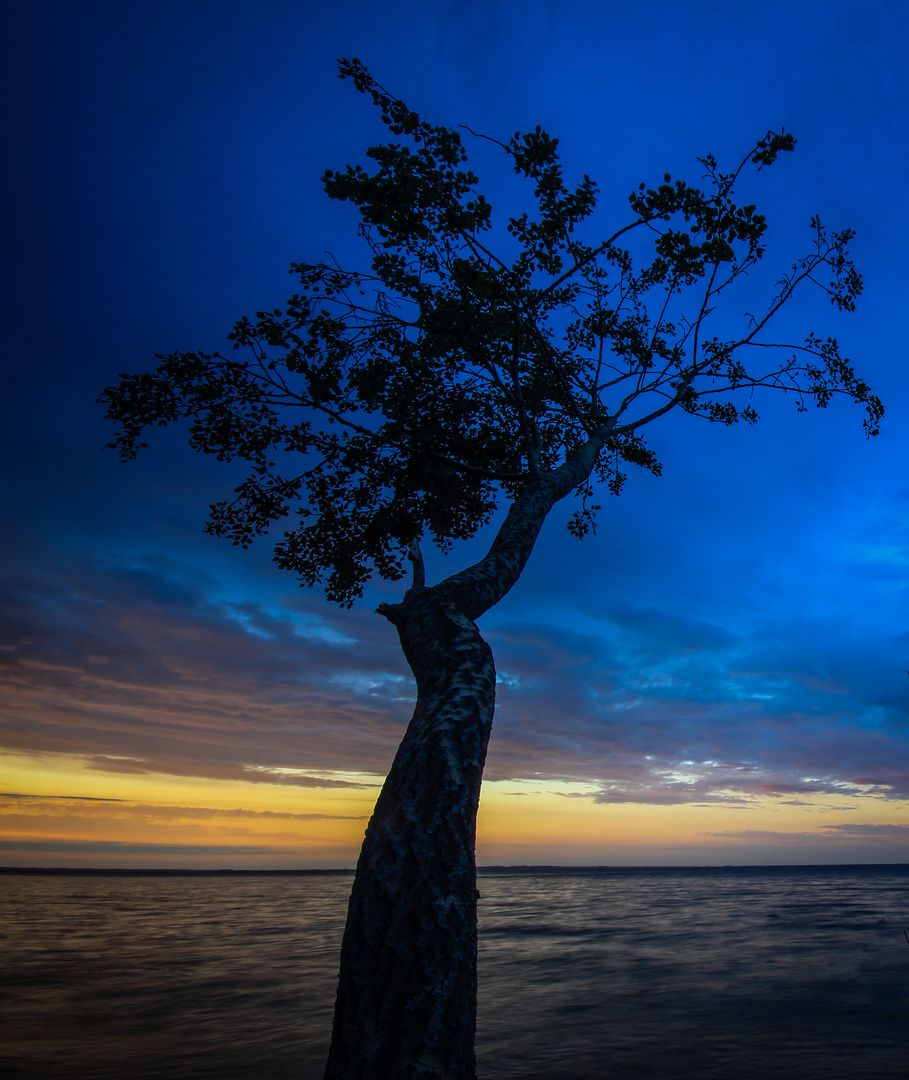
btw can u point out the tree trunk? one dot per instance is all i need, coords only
(406, 1006)
(407, 991)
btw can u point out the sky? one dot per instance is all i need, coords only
(718, 676)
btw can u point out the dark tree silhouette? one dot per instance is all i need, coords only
(412, 399)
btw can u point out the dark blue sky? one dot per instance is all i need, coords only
(737, 630)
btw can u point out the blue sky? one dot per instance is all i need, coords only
(736, 632)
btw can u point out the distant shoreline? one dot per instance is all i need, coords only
(72, 871)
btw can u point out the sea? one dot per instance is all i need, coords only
(737, 973)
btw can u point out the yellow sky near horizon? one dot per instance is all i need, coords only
(57, 810)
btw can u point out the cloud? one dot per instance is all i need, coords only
(900, 831)
(149, 665)
(658, 709)
(65, 798)
(218, 771)
(137, 668)
(56, 806)
(124, 847)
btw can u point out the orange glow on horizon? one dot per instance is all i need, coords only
(55, 811)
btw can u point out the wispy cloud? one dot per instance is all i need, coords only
(137, 669)
(58, 806)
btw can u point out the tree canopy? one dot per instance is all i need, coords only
(406, 399)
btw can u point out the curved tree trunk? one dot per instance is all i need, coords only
(406, 1004)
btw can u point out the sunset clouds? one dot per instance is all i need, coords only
(142, 670)
(141, 673)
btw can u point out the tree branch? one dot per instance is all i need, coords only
(481, 586)
(419, 570)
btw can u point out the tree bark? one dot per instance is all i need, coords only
(407, 989)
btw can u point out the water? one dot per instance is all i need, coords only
(714, 974)
(790, 973)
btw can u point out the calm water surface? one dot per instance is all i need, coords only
(714, 974)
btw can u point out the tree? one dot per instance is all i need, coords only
(412, 399)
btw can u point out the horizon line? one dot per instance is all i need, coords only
(501, 867)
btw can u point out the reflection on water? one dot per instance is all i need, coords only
(798, 974)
